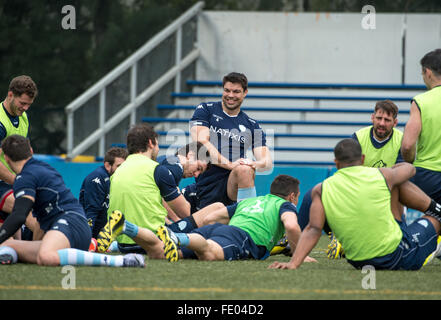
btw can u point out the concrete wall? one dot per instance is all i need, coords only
(315, 47)
(74, 173)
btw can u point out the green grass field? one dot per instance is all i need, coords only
(238, 280)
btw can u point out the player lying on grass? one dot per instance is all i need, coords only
(256, 225)
(362, 207)
(40, 188)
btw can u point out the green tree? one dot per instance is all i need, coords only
(64, 63)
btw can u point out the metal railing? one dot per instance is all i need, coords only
(135, 98)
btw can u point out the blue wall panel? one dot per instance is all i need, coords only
(74, 173)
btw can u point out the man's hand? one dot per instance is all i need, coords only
(289, 265)
(281, 265)
(248, 162)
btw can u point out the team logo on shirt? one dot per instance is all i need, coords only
(62, 221)
(218, 118)
(49, 208)
(380, 164)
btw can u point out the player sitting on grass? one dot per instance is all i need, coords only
(255, 226)
(380, 144)
(40, 188)
(362, 207)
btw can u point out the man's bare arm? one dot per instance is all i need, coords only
(412, 131)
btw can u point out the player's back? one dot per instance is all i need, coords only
(133, 191)
(260, 217)
(45, 184)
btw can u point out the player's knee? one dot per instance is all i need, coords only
(48, 258)
(243, 171)
(217, 206)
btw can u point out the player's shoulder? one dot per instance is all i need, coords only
(288, 206)
(171, 170)
(246, 119)
(397, 132)
(209, 106)
(203, 113)
(36, 171)
(34, 165)
(97, 176)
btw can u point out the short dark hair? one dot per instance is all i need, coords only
(283, 185)
(115, 152)
(235, 77)
(388, 107)
(348, 150)
(23, 84)
(139, 136)
(432, 61)
(17, 147)
(198, 148)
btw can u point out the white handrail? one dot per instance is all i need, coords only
(128, 108)
(130, 62)
(140, 53)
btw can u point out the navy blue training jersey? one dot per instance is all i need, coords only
(232, 135)
(173, 164)
(167, 176)
(94, 197)
(52, 198)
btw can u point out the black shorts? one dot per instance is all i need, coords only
(190, 194)
(214, 191)
(75, 227)
(235, 242)
(429, 181)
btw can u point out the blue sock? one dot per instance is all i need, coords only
(245, 193)
(183, 239)
(77, 257)
(130, 229)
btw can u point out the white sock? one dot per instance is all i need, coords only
(85, 258)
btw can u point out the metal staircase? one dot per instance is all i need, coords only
(102, 114)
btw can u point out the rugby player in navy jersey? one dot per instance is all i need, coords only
(40, 188)
(94, 192)
(228, 133)
(180, 165)
(188, 162)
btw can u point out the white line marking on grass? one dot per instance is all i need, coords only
(226, 290)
